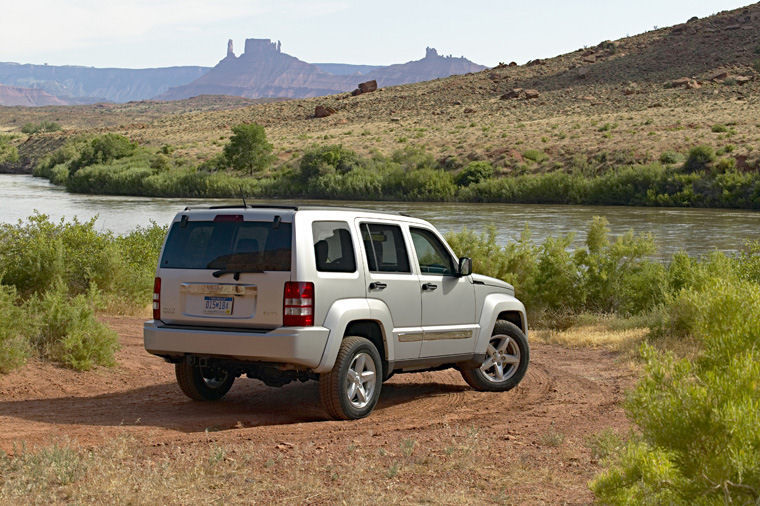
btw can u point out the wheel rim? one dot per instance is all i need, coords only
(361, 380)
(502, 359)
(214, 379)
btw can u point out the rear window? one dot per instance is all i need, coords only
(236, 246)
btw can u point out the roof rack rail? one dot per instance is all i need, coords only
(248, 206)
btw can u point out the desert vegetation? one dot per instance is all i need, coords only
(111, 164)
(699, 352)
(56, 275)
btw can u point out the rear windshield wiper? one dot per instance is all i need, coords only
(235, 273)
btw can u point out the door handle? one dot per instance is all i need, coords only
(429, 287)
(376, 285)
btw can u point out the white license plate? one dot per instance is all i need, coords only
(217, 305)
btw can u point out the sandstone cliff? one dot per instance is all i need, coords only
(263, 70)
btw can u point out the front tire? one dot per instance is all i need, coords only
(506, 361)
(351, 390)
(202, 383)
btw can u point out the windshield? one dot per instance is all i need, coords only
(244, 246)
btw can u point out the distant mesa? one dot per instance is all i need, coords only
(263, 70)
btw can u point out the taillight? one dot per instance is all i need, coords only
(157, 299)
(298, 304)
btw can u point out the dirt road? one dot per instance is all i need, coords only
(544, 425)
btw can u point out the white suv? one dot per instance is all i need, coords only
(344, 296)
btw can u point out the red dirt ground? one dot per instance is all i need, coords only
(571, 392)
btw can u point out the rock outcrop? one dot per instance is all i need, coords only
(367, 87)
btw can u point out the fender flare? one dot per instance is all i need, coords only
(343, 312)
(493, 305)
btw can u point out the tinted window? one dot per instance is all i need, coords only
(243, 246)
(385, 249)
(333, 249)
(432, 255)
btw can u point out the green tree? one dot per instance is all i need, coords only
(248, 149)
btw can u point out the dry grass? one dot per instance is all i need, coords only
(458, 470)
(598, 335)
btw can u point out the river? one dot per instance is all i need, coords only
(696, 231)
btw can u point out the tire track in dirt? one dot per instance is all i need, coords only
(41, 402)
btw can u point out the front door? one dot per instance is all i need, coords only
(392, 281)
(448, 300)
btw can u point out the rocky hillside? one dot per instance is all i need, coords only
(623, 101)
(28, 97)
(263, 70)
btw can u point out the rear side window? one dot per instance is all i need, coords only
(333, 248)
(236, 246)
(385, 249)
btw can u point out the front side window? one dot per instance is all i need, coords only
(432, 255)
(385, 249)
(333, 248)
(239, 246)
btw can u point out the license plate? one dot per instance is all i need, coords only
(217, 305)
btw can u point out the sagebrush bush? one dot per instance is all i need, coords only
(36, 253)
(14, 345)
(8, 152)
(43, 126)
(698, 417)
(700, 157)
(610, 276)
(65, 329)
(474, 172)
(103, 149)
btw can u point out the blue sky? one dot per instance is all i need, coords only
(153, 33)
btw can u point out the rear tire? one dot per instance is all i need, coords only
(506, 360)
(351, 390)
(202, 383)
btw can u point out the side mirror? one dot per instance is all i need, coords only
(465, 266)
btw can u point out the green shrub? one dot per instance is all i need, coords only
(66, 331)
(14, 345)
(103, 149)
(8, 152)
(248, 150)
(535, 155)
(671, 157)
(700, 157)
(36, 253)
(43, 126)
(414, 158)
(603, 276)
(719, 128)
(697, 417)
(474, 172)
(323, 160)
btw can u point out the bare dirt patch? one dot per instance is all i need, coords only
(430, 438)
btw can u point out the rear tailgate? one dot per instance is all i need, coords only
(226, 268)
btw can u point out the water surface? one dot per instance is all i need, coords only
(696, 231)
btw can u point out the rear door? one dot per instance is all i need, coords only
(448, 300)
(226, 269)
(391, 280)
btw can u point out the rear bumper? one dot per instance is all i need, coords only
(301, 346)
